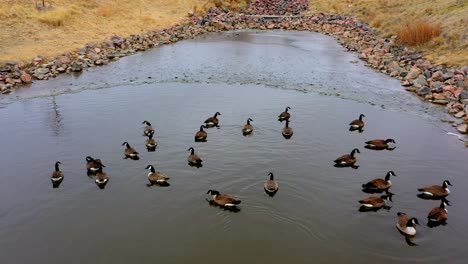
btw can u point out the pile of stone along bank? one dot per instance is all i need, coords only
(433, 83)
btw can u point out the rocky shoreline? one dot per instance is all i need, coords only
(433, 83)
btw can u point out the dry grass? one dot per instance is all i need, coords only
(69, 24)
(418, 32)
(450, 48)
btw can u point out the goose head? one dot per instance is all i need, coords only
(361, 116)
(146, 123)
(355, 151)
(271, 176)
(192, 151)
(212, 192)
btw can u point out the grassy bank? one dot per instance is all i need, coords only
(443, 20)
(63, 25)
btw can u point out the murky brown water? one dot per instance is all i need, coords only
(313, 218)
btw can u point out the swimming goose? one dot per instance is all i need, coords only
(201, 135)
(57, 175)
(439, 214)
(193, 159)
(223, 199)
(157, 177)
(101, 177)
(284, 115)
(92, 165)
(436, 191)
(380, 184)
(150, 142)
(379, 144)
(130, 152)
(271, 186)
(357, 124)
(376, 202)
(248, 128)
(287, 131)
(148, 128)
(212, 121)
(348, 159)
(406, 225)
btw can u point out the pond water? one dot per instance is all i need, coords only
(314, 216)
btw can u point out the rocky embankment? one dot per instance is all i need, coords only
(433, 83)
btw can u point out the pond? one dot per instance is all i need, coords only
(313, 217)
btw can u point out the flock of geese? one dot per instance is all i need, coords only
(405, 224)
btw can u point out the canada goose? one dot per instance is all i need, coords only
(357, 124)
(92, 165)
(439, 214)
(406, 225)
(287, 131)
(223, 199)
(271, 186)
(129, 152)
(248, 128)
(347, 160)
(193, 159)
(148, 128)
(436, 191)
(380, 184)
(212, 121)
(373, 202)
(379, 144)
(201, 135)
(284, 115)
(156, 177)
(101, 177)
(150, 142)
(57, 175)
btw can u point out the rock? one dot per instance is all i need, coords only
(97, 50)
(190, 13)
(460, 114)
(60, 69)
(464, 94)
(26, 78)
(63, 60)
(438, 76)
(420, 81)
(440, 101)
(463, 128)
(424, 91)
(76, 67)
(439, 96)
(405, 83)
(413, 73)
(41, 71)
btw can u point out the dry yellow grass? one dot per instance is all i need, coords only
(69, 24)
(450, 48)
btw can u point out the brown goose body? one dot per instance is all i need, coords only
(380, 184)
(436, 190)
(57, 175)
(287, 131)
(248, 128)
(148, 128)
(151, 142)
(212, 121)
(129, 152)
(284, 115)
(375, 202)
(358, 123)
(347, 159)
(223, 199)
(92, 165)
(439, 214)
(156, 177)
(406, 225)
(379, 143)
(193, 158)
(201, 135)
(271, 185)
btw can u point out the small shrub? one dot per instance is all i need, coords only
(418, 32)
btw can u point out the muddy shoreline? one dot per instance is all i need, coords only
(431, 82)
